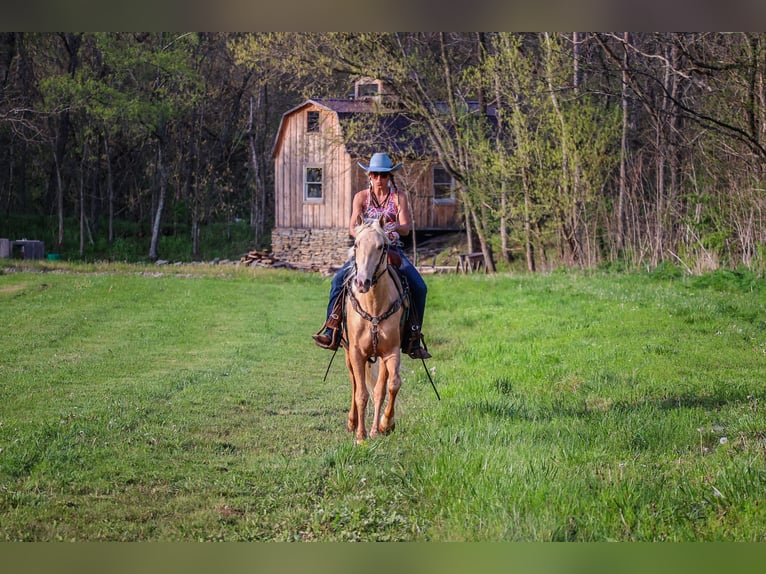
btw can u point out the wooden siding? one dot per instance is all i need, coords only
(416, 178)
(299, 149)
(295, 149)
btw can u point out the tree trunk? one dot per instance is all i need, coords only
(58, 160)
(468, 229)
(82, 200)
(529, 249)
(162, 174)
(486, 248)
(109, 189)
(197, 183)
(257, 202)
(569, 215)
(505, 248)
(620, 215)
(72, 44)
(413, 225)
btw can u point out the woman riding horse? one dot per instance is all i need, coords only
(381, 198)
(373, 331)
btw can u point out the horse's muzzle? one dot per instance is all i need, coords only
(363, 285)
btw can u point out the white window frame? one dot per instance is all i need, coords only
(442, 200)
(307, 183)
(372, 89)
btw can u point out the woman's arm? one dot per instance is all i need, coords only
(403, 226)
(357, 207)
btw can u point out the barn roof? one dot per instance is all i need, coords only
(367, 127)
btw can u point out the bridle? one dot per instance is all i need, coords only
(381, 268)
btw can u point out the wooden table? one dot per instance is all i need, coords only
(470, 262)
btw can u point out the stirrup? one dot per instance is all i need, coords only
(331, 341)
(328, 337)
(416, 347)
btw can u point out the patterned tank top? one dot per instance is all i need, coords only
(390, 208)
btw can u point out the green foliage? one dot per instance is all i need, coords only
(667, 270)
(125, 111)
(190, 405)
(741, 280)
(131, 243)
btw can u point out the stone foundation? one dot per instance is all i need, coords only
(313, 248)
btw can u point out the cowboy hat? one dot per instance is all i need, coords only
(381, 163)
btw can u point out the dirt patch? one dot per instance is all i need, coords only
(7, 289)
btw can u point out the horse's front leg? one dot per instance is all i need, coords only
(361, 394)
(394, 381)
(378, 396)
(352, 414)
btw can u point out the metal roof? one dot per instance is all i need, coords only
(401, 134)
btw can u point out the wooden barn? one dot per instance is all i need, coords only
(316, 154)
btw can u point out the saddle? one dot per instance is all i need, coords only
(409, 325)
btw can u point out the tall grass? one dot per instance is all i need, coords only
(191, 405)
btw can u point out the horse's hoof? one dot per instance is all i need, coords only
(388, 428)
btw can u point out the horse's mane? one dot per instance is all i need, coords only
(373, 224)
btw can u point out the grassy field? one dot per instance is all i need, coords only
(188, 403)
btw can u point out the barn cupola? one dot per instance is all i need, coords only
(374, 90)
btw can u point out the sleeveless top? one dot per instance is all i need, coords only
(389, 209)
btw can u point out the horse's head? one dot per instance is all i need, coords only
(370, 253)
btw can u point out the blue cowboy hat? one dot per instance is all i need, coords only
(381, 163)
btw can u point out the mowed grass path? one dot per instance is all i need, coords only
(191, 405)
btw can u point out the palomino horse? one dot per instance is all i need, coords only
(373, 319)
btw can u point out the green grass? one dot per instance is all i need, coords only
(190, 405)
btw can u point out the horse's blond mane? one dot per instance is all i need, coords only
(374, 225)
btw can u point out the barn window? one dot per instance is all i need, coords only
(312, 186)
(367, 90)
(444, 185)
(312, 121)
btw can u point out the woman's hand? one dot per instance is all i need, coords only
(390, 229)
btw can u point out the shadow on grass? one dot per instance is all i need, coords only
(509, 405)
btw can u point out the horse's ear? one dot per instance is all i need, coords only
(382, 221)
(358, 221)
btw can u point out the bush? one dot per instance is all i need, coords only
(667, 270)
(741, 280)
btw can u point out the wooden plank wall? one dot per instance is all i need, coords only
(300, 149)
(417, 179)
(342, 178)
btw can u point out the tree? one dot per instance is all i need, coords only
(425, 72)
(571, 148)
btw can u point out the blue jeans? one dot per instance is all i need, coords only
(418, 289)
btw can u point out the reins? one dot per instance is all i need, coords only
(380, 268)
(378, 271)
(375, 319)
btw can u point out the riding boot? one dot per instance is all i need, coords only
(416, 346)
(329, 336)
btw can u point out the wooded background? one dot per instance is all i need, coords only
(626, 149)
